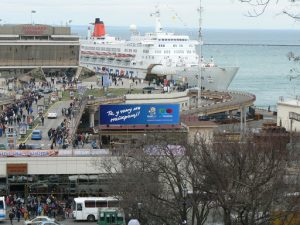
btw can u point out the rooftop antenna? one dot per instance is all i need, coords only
(158, 27)
(200, 56)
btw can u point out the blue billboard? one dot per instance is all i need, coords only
(139, 114)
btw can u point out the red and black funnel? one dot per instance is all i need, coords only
(99, 28)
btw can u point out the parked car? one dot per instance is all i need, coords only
(52, 115)
(49, 223)
(48, 91)
(36, 135)
(149, 88)
(33, 146)
(38, 219)
(2, 147)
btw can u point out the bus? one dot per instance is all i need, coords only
(2, 209)
(84, 185)
(111, 216)
(86, 208)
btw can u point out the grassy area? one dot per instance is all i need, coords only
(111, 92)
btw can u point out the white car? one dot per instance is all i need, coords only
(38, 219)
(52, 115)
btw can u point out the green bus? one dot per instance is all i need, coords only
(111, 216)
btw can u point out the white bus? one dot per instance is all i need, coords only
(86, 208)
(2, 209)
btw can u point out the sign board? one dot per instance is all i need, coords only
(105, 80)
(23, 129)
(294, 116)
(16, 168)
(139, 114)
(40, 109)
(11, 138)
(27, 153)
(29, 119)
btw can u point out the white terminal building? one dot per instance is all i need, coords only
(288, 114)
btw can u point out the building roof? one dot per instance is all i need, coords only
(193, 121)
(291, 102)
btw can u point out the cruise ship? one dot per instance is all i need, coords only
(158, 54)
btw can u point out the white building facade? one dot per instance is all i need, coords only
(288, 114)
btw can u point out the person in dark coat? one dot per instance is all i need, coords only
(11, 216)
(18, 214)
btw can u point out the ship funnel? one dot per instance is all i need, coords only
(99, 28)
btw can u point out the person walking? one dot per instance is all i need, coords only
(11, 216)
(18, 214)
(42, 119)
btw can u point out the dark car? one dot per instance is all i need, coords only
(149, 88)
(31, 147)
(2, 147)
(48, 91)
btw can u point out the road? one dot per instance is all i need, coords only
(48, 123)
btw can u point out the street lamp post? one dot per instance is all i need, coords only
(184, 195)
(32, 12)
(139, 211)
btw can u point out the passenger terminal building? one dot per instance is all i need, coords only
(26, 46)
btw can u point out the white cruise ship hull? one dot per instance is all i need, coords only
(213, 78)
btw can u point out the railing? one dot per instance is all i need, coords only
(77, 117)
(238, 100)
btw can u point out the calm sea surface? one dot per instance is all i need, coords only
(260, 54)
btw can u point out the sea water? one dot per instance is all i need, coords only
(265, 69)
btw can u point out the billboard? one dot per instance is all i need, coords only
(139, 114)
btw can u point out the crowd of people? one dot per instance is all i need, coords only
(41, 205)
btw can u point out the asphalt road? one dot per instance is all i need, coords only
(50, 123)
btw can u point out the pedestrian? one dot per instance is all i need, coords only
(18, 214)
(50, 133)
(42, 119)
(11, 216)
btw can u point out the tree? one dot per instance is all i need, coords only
(258, 7)
(244, 178)
(155, 173)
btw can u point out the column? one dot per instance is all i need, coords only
(92, 118)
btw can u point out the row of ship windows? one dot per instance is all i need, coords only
(175, 46)
(169, 51)
(130, 50)
(102, 49)
(179, 39)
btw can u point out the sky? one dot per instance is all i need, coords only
(217, 14)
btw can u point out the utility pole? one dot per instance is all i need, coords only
(200, 56)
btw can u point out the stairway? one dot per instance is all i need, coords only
(78, 72)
